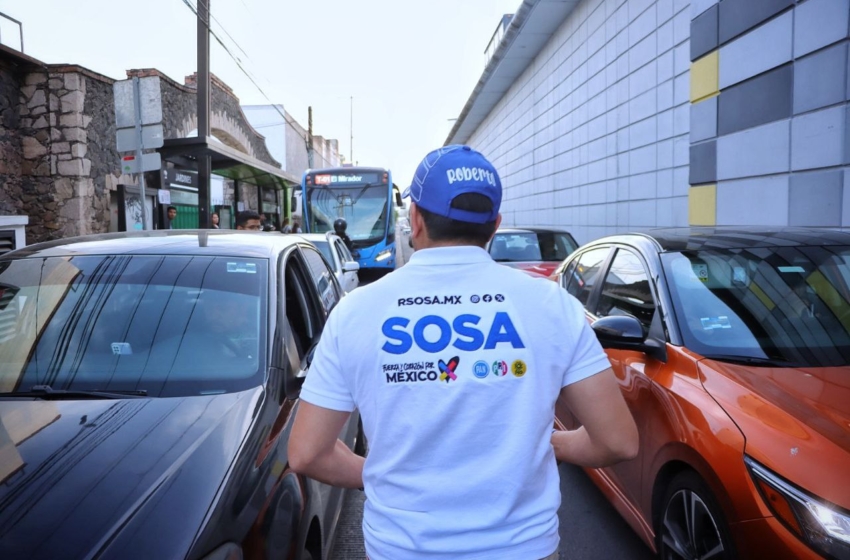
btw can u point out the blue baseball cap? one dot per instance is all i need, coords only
(452, 170)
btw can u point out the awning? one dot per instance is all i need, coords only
(226, 162)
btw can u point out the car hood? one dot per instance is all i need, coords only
(796, 421)
(534, 267)
(75, 474)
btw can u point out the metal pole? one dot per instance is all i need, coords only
(137, 108)
(310, 137)
(351, 131)
(203, 80)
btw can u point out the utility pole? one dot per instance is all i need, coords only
(203, 81)
(310, 137)
(351, 131)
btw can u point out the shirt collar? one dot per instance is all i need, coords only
(462, 254)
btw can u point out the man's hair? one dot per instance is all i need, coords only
(243, 217)
(441, 228)
(170, 208)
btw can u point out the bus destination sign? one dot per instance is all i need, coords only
(346, 179)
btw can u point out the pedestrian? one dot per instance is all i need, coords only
(286, 228)
(458, 400)
(296, 227)
(340, 225)
(249, 220)
(171, 212)
(214, 219)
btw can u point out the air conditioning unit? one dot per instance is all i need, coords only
(13, 233)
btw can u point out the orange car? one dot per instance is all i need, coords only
(732, 350)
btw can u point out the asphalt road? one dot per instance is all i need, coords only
(590, 528)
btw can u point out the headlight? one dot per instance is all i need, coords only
(384, 255)
(823, 526)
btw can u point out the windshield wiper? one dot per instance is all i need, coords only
(49, 393)
(751, 360)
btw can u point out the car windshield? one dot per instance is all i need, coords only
(168, 325)
(550, 246)
(788, 305)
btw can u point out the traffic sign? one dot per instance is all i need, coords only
(150, 162)
(150, 101)
(127, 138)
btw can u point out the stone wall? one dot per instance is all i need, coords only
(58, 161)
(10, 143)
(99, 116)
(64, 126)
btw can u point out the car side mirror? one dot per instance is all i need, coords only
(350, 266)
(625, 332)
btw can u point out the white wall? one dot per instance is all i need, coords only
(594, 134)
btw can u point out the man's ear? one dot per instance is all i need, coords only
(498, 223)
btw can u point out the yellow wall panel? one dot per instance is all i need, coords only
(702, 205)
(704, 77)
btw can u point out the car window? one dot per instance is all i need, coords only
(552, 246)
(325, 249)
(171, 325)
(342, 252)
(626, 289)
(555, 246)
(301, 313)
(586, 273)
(514, 247)
(323, 277)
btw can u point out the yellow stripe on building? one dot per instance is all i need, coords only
(705, 81)
(702, 205)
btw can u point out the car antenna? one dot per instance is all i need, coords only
(203, 236)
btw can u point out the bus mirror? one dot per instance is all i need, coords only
(398, 201)
(293, 203)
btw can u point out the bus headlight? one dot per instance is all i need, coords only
(384, 255)
(823, 526)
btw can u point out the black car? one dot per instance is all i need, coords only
(147, 387)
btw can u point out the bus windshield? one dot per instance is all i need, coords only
(363, 206)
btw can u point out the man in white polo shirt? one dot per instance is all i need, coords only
(455, 363)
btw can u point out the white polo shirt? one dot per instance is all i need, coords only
(455, 363)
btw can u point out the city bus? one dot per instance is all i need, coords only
(367, 199)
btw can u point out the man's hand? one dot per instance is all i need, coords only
(608, 433)
(316, 451)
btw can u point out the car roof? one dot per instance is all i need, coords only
(531, 229)
(164, 242)
(311, 237)
(697, 238)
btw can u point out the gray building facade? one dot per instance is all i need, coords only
(614, 115)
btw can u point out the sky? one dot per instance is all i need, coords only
(384, 77)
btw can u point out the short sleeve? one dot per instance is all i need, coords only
(326, 384)
(588, 357)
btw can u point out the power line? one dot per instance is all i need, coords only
(247, 73)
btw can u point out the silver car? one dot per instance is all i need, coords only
(344, 265)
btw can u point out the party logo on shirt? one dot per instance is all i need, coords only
(518, 368)
(447, 370)
(480, 369)
(499, 368)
